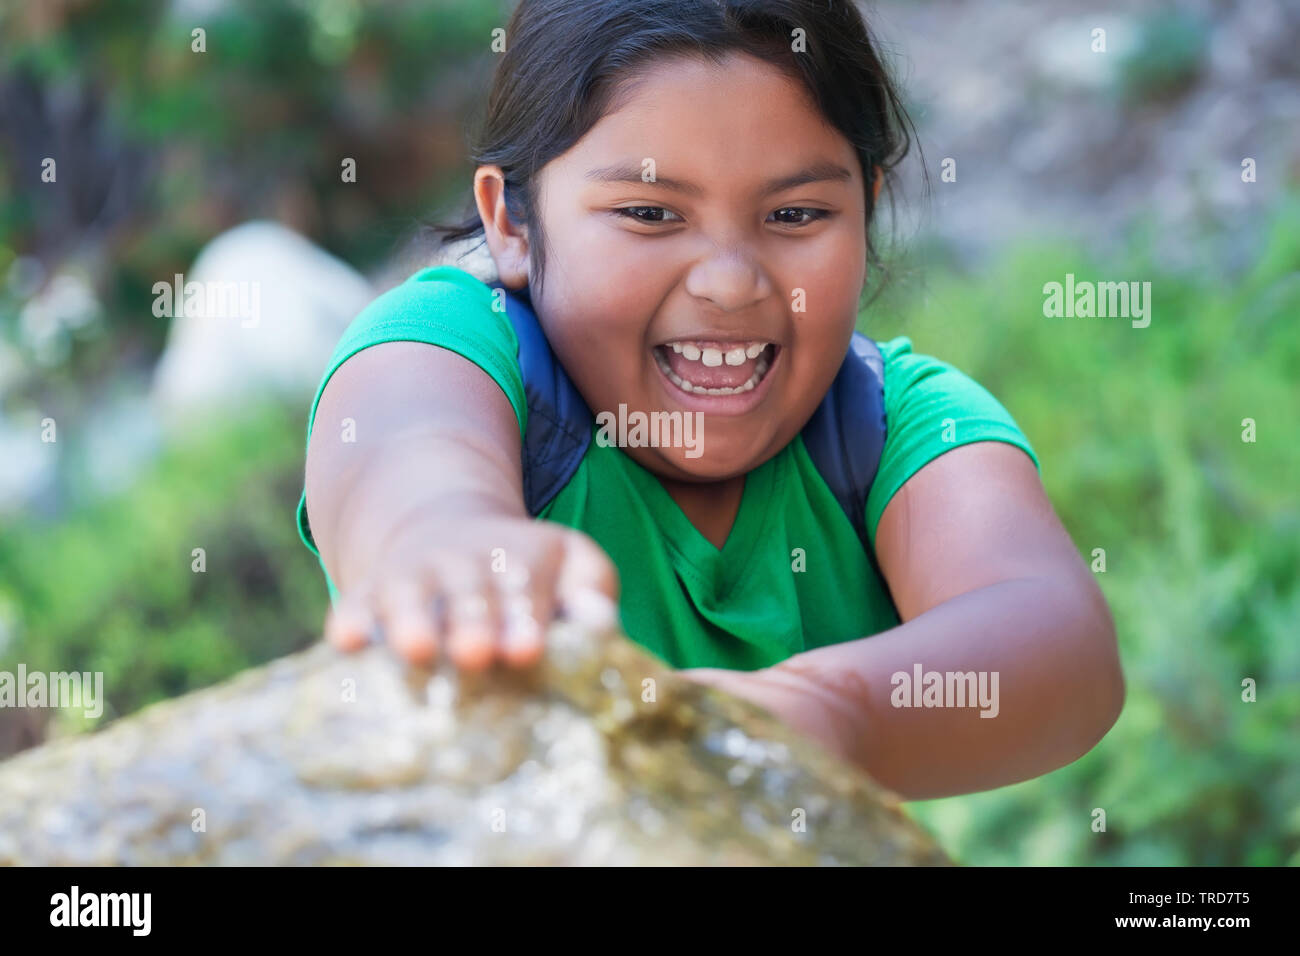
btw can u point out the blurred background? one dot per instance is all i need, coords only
(1120, 164)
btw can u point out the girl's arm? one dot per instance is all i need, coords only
(414, 508)
(985, 579)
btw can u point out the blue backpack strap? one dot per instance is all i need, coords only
(559, 425)
(846, 435)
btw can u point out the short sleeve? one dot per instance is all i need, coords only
(931, 408)
(442, 306)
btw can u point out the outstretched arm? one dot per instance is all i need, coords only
(985, 579)
(411, 517)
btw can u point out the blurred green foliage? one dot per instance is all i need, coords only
(163, 146)
(111, 586)
(1171, 48)
(1140, 435)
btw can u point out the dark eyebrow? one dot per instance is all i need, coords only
(631, 173)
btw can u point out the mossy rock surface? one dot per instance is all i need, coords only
(325, 758)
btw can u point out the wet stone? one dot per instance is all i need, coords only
(564, 765)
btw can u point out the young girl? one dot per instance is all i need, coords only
(681, 192)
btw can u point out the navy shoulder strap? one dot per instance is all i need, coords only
(559, 422)
(846, 435)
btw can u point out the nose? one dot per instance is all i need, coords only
(729, 279)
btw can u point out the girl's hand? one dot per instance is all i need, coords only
(476, 589)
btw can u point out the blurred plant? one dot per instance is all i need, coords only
(1140, 436)
(112, 586)
(160, 147)
(1171, 48)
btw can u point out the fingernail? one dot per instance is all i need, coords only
(471, 648)
(416, 639)
(346, 621)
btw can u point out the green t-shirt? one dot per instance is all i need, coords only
(792, 575)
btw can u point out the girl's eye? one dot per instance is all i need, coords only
(812, 214)
(648, 214)
(786, 216)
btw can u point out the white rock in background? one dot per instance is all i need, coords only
(116, 441)
(286, 303)
(1063, 51)
(29, 463)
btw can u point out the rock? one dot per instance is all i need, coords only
(325, 758)
(281, 306)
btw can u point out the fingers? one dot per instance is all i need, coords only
(410, 624)
(399, 613)
(349, 624)
(527, 608)
(474, 616)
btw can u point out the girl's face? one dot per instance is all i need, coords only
(707, 234)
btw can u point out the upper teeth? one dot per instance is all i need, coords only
(753, 350)
(714, 357)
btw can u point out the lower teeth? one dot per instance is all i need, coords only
(760, 369)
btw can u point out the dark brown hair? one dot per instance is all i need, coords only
(564, 60)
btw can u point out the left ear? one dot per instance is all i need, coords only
(875, 188)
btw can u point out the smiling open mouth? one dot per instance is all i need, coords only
(715, 368)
